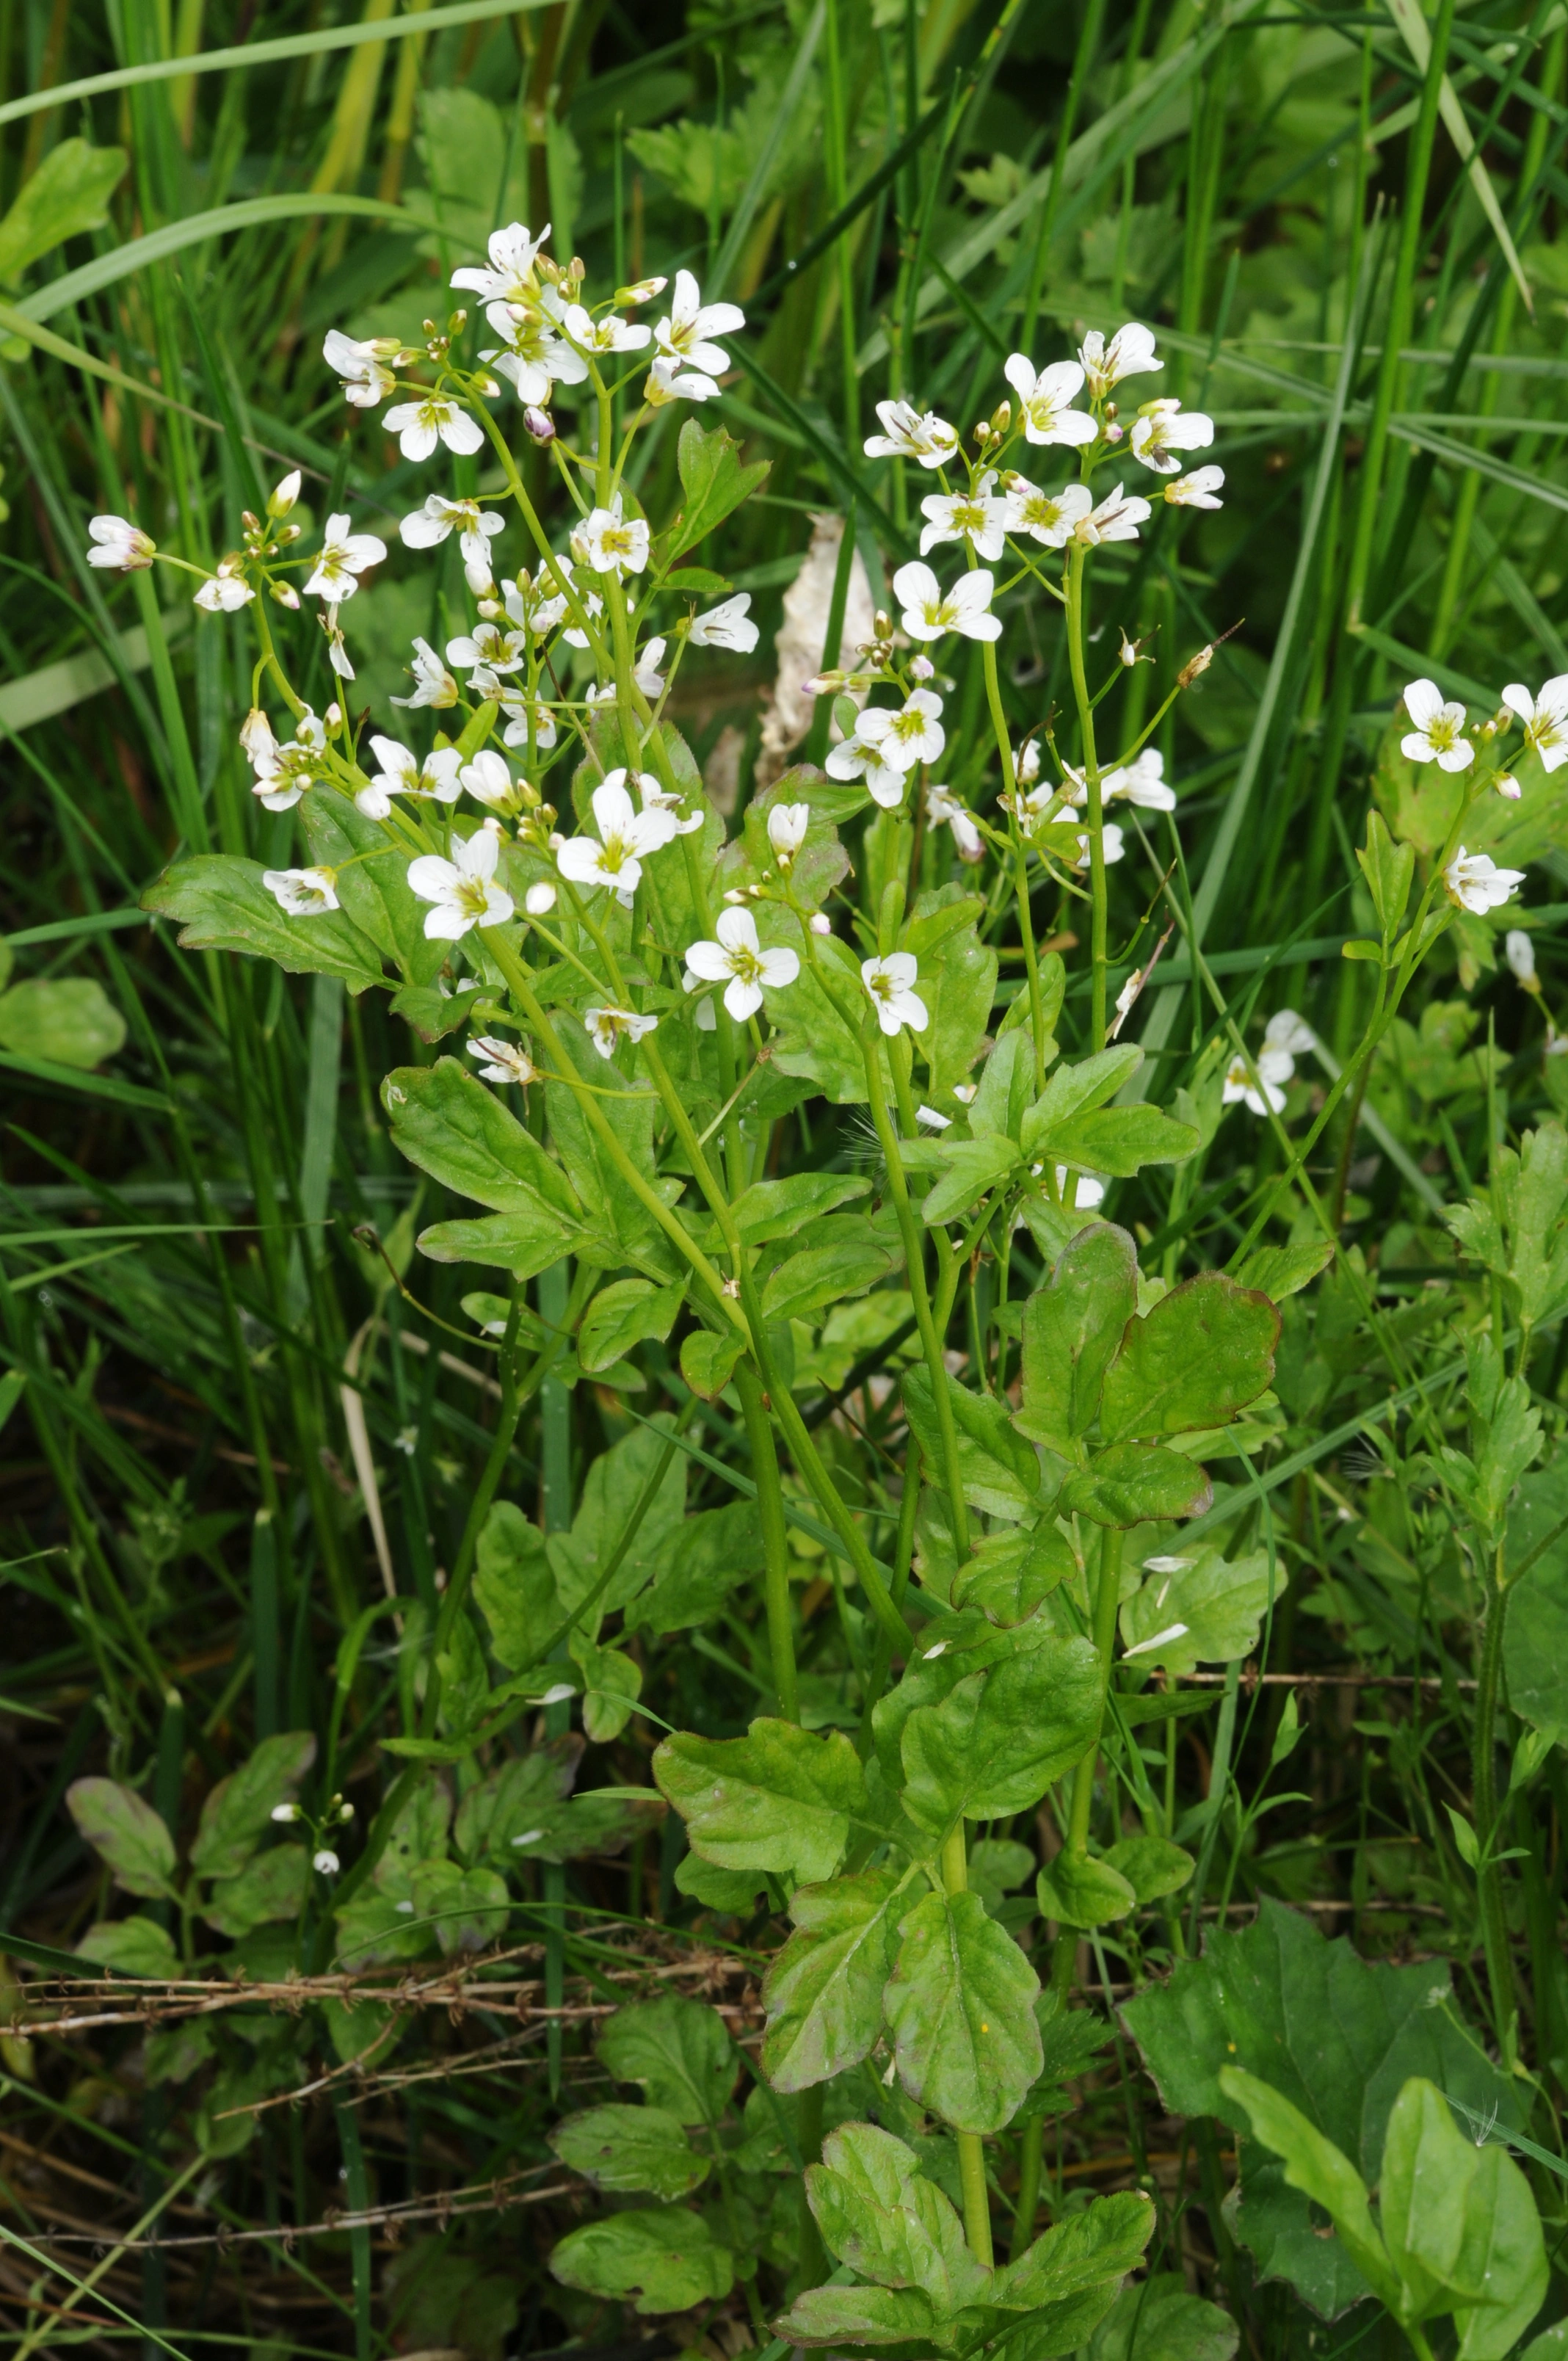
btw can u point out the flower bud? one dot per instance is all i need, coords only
(284, 495)
(1519, 952)
(1001, 419)
(821, 924)
(921, 669)
(1113, 434)
(1507, 785)
(325, 1864)
(538, 425)
(285, 1812)
(284, 592)
(641, 291)
(539, 900)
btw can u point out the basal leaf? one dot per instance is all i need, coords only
(858, 2315)
(663, 2260)
(1158, 2320)
(514, 1587)
(136, 1946)
(1204, 1352)
(823, 1991)
(996, 1743)
(219, 902)
(622, 1315)
(677, 2051)
(467, 1908)
(237, 1810)
(1152, 1866)
(125, 1832)
(959, 2005)
(620, 2147)
(1321, 2171)
(878, 2213)
(273, 1885)
(1071, 1328)
(1209, 1611)
(781, 1798)
(1078, 1891)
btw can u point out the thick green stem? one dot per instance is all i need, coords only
(1106, 1599)
(1484, 1787)
(775, 1543)
(1020, 857)
(972, 2147)
(1030, 2147)
(1096, 814)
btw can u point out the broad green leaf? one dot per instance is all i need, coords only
(736, 1891)
(1071, 1328)
(622, 1229)
(810, 1282)
(620, 2147)
(703, 1559)
(589, 1824)
(1078, 1891)
(823, 1991)
(1121, 1141)
(465, 1678)
(781, 1798)
(622, 1315)
(237, 1810)
(1535, 1636)
(1152, 1866)
(712, 480)
(878, 2213)
(666, 2259)
(1132, 1482)
(968, 1168)
(1279, 1271)
(957, 984)
(372, 883)
(614, 1487)
(525, 1244)
(447, 1122)
(1157, 2320)
(220, 904)
(612, 1681)
(70, 1023)
(1286, 2237)
(997, 1866)
(1013, 1572)
(1064, 2284)
(999, 1471)
(996, 1743)
(1552, 2345)
(1213, 1608)
(468, 1908)
(968, 1644)
(136, 1946)
(959, 2005)
(273, 1885)
(517, 1802)
(780, 1209)
(1204, 1352)
(1461, 2226)
(67, 194)
(1073, 1092)
(514, 1586)
(677, 2051)
(125, 1832)
(1321, 2171)
(707, 1360)
(374, 1929)
(858, 2315)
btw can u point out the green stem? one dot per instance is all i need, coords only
(775, 1544)
(972, 2147)
(1031, 2144)
(1020, 857)
(1096, 814)
(1106, 1597)
(1483, 1785)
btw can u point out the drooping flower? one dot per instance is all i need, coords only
(606, 334)
(434, 418)
(1545, 718)
(739, 958)
(890, 983)
(403, 773)
(1141, 782)
(336, 653)
(433, 684)
(684, 336)
(510, 277)
(1196, 490)
(325, 1862)
(976, 517)
(1113, 845)
(787, 824)
(929, 613)
(344, 556)
(506, 1062)
(462, 890)
(1045, 399)
(728, 625)
(944, 809)
(476, 528)
(611, 543)
(362, 365)
(1129, 353)
(119, 544)
(1436, 735)
(613, 860)
(911, 433)
(1474, 882)
(302, 893)
(1047, 517)
(606, 1028)
(224, 592)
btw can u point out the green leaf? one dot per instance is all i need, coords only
(523, 1243)
(517, 1802)
(1158, 2320)
(220, 904)
(803, 1287)
(1205, 1351)
(878, 2213)
(1073, 1092)
(273, 1885)
(858, 2315)
(998, 1741)
(667, 2258)
(999, 1471)
(1071, 1329)
(620, 2147)
(1005, 1090)
(514, 1587)
(237, 1810)
(372, 882)
(780, 1209)
(1387, 868)
(69, 193)
(1218, 1603)
(823, 1991)
(615, 1484)
(1132, 1482)
(1279, 1271)
(136, 1946)
(622, 1229)
(622, 1315)
(969, 1168)
(468, 1907)
(997, 1866)
(447, 1122)
(374, 1930)
(612, 1683)
(1461, 2226)
(677, 2051)
(70, 1023)
(1012, 1573)
(959, 2006)
(1067, 2279)
(1121, 1141)
(1535, 1637)
(781, 1798)
(1078, 1891)
(1321, 2171)
(1152, 1866)
(707, 1360)
(713, 481)
(125, 1832)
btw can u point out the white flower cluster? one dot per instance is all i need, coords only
(1286, 1037)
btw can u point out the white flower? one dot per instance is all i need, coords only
(402, 773)
(1519, 952)
(336, 653)
(1272, 1067)
(1141, 782)
(257, 740)
(610, 542)
(931, 1119)
(1045, 400)
(489, 645)
(1112, 844)
(684, 335)
(463, 889)
(223, 593)
(532, 358)
(1288, 1032)
(285, 1812)
(476, 528)
(1129, 353)
(591, 604)
(890, 983)
(119, 544)
(343, 558)
(656, 798)
(489, 780)
(626, 837)
(1545, 718)
(1026, 762)
(283, 773)
(787, 824)
(1435, 738)
(539, 900)
(646, 674)
(510, 277)
(928, 614)
(433, 684)
(913, 734)
(707, 1020)
(974, 516)
(737, 956)
(609, 334)
(1196, 490)
(325, 1862)
(1475, 883)
(1507, 787)
(538, 606)
(864, 754)
(302, 892)
(1162, 429)
(436, 417)
(523, 711)
(506, 1063)
(727, 626)
(910, 434)
(1117, 518)
(362, 367)
(1047, 517)
(605, 1027)
(944, 809)
(821, 924)
(666, 381)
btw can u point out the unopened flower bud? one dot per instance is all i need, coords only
(1113, 434)
(641, 291)
(1519, 952)
(538, 901)
(325, 1862)
(1001, 419)
(882, 626)
(333, 717)
(981, 433)
(491, 609)
(251, 523)
(284, 592)
(284, 495)
(538, 424)
(457, 322)
(821, 924)
(1507, 785)
(921, 669)
(578, 267)
(287, 1812)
